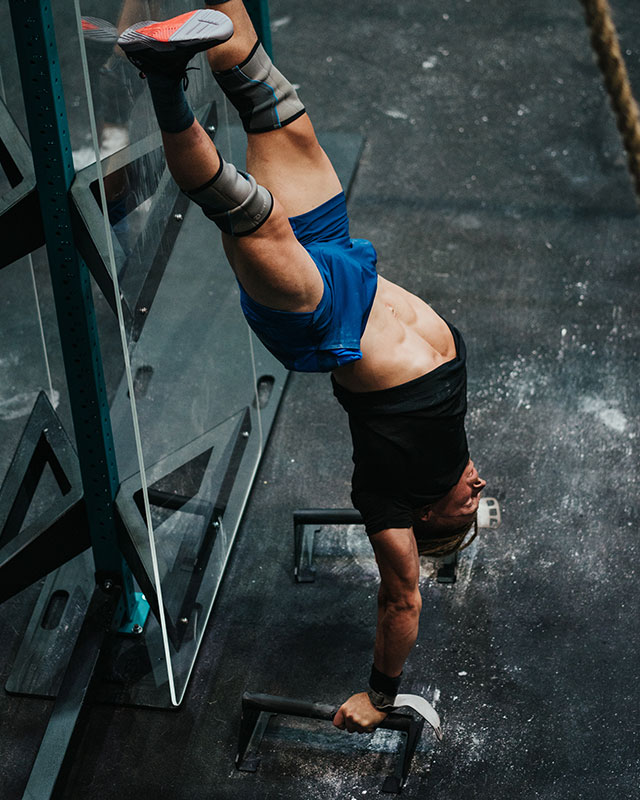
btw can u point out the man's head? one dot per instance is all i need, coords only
(449, 519)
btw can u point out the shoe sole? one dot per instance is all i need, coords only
(99, 30)
(205, 27)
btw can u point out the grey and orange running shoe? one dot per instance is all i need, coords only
(167, 47)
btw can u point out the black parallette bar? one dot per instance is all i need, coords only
(327, 516)
(301, 708)
(257, 709)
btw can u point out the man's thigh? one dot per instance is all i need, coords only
(292, 165)
(273, 267)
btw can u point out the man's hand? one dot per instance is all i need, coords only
(358, 715)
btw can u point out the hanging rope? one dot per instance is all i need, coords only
(604, 40)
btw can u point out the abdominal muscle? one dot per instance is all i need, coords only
(404, 339)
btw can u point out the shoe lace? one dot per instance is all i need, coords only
(185, 77)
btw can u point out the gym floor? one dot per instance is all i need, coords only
(493, 184)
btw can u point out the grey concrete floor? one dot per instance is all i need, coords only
(494, 186)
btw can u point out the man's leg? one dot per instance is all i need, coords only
(271, 265)
(287, 160)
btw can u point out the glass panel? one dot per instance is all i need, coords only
(187, 381)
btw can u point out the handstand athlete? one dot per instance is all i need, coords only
(312, 295)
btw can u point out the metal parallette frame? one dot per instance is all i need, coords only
(447, 571)
(308, 521)
(258, 709)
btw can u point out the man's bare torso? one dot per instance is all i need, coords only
(404, 339)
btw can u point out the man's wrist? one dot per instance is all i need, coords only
(380, 701)
(382, 688)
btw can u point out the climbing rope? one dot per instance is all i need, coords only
(604, 40)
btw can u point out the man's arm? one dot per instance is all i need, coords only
(399, 604)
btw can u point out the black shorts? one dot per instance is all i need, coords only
(409, 442)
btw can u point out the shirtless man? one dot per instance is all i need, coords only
(313, 297)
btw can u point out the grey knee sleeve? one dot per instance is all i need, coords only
(263, 97)
(234, 201)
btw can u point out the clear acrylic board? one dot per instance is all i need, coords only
(186, 421)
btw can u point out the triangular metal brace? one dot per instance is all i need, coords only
(56, 535)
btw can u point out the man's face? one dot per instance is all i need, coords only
(461, 502)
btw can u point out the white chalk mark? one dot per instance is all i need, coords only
(468, 222)
(17, 406)
(395, 114)
(612, 417)
(280, 23)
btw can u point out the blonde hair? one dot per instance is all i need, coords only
(437, 539)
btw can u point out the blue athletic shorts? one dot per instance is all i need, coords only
(329, 336)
